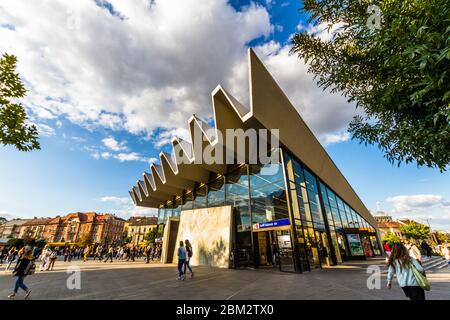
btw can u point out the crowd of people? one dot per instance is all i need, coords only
(424, 248)
(21, 261)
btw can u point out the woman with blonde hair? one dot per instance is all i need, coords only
(23, 268)
(401, 264)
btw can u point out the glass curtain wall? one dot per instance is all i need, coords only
(237, 196)
(300, 194)
(267, 193)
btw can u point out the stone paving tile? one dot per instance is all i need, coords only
(122, 280)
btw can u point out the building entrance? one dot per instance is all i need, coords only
(273, 249)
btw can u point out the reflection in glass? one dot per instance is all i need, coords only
(237, 196)
(216, 193)
(188, 203)
(200, 197)
(268, 195)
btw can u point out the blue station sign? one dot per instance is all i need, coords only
(271, 224)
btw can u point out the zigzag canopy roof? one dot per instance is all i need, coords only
(269, 108)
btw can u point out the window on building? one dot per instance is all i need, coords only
(237, 196)
(187, 202)
(268, 193)
(216, 192)
(200, 199)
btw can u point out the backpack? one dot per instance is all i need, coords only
(189, 252)
(31, 268)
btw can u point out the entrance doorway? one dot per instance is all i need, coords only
(323, 248)
(273, 249)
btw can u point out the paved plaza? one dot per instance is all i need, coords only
(137, 280)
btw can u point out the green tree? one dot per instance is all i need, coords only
(14, 129)
(13, 242)
(391, 238)
(86, 239)
(442, 236)
(127, 240)
(151, 235)
(414, 230)
(398, 74)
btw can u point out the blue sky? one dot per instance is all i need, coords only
(103, 76)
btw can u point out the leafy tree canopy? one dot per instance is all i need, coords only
(14, 129)
(398, 72)
(86, 239)
(151, 235)
(414, 230)
(391, 238)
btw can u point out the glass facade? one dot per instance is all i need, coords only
(284, 215)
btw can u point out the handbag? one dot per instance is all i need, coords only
(420, 278)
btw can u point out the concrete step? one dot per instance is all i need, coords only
(429, 264)
(434, 263)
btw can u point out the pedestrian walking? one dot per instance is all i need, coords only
(148, 251)
(53, 257)
(86, 254)
(109, 255)
(402, 265)
(387, 249)
(181, 260)
(25, 266)
(413, 251)
(45, 259)
(66, 253)
(12, 254)
(446, 252)
(426, 248)
(3, 254)
(189, 254)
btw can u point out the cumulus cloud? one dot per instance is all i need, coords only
(116, 200)
(124, 207)
(147, 66)
(422, 207)
(132, 156)
(8, 215)
(113, 144)
(45, 130)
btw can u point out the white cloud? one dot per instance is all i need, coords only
(326, 114)
(132, 156)
(333, 138)
(124, 207)
(106, 155)
(116, 200)
(112, 144)
(153, 69)
(45, 130)
(8, 215)
(422, 207)
(417, 202)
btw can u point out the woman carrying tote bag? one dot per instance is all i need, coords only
(410, 274)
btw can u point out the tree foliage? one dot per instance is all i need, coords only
(391, 238)
(151, 235)
(398, 74)
(86, 239)
(14, 127)
(443, 237)
(414, 230)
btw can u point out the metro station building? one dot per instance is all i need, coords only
(297, 215)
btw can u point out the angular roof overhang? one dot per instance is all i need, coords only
(268, 108)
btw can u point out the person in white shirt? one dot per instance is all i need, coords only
(413, 251)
